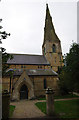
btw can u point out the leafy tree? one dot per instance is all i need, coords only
(5, 56)
(69, 76)
(3, 34)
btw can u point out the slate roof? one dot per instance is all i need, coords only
(28, 59)
(36, 72)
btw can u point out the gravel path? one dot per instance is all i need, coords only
(26, 109)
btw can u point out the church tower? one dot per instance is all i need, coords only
(51, 47)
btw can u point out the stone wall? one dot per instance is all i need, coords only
(29, 66)
(51, 81)
(53, 58)
(5, 83)
(37, 81)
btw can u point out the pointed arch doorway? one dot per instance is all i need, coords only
(24, 79)
(23, 92)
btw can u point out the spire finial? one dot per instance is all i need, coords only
(47, 11)
(46, 5)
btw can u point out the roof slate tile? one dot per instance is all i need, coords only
(28, 59)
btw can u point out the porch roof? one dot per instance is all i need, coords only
(41, 72)
(35, 72)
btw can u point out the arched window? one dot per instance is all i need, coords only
(54, 48)
(45, 85)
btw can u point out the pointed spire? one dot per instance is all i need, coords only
(49, 31)
(47, 11)
(48, 18)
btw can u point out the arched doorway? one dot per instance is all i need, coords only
(23, 92)
(24, 79)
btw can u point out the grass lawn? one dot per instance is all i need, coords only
(65, 109)
(12, 107)
(61, 97)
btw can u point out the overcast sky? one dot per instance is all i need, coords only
(25, 20)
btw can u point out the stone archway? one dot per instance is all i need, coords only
(23, 80)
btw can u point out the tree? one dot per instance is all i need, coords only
(69, 76)
(3, 34)
(5, 56)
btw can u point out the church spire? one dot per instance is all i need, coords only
(47, 11)
(51, 47)
(49, 31)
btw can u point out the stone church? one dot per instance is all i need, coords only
(32, 74)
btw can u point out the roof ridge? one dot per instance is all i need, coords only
(25, 54)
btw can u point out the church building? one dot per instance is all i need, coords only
(32, 74)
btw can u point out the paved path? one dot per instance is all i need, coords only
(26, 109)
